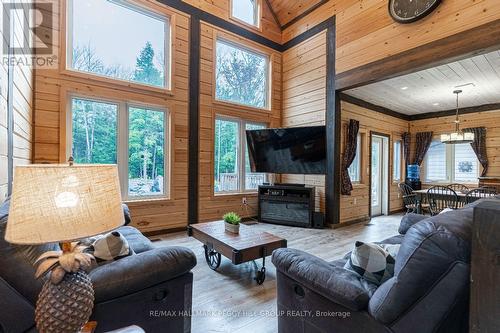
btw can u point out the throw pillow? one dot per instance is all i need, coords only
(371, 262)
(111, 246)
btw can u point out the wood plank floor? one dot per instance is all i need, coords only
(230, 301)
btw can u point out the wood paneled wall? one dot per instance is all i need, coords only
(53, 88)
(304, 103)
(366, 33)
(212, 207)
(304, 98)
(269, 28)
(22, 97)
(489, 119)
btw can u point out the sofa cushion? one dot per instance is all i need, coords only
(429, 251)
(409, 220)
(136, 240)
(371, 262)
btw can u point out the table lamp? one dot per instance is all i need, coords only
(63, 203)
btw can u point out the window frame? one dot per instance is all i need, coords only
(257, 16)
(450, 167)
(400, 164)
(241, 154)
(239, 44)
(66, 42)
(122, 142)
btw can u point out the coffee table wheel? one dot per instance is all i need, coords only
(261, 276)
(212, 257)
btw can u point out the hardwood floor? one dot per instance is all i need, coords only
(229, 300)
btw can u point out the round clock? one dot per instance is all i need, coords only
(407, 11)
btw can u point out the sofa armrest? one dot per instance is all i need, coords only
(337, 284)
(408, 221)
(17, 314)
(140, 271)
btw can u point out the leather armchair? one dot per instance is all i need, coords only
(134, 290)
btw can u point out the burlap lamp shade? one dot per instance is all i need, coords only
(61, 203)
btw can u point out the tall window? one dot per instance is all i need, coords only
(242, 76)
(396, 175)
(247, 11)
(131, 136)
(231, 163)
(355, 168)
(451, 163)
(119, 40)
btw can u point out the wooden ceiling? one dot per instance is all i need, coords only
(287, 11)
(431, 90)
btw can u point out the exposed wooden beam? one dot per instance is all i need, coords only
(447, 113)
(373, 107)
(472, 42)
(194, 120)
(333, 130)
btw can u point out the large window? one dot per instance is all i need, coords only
(247, 11)
(241, 75)
(451, 163)
(231, 163)
(396, 173)
(355, 168)
(119, 40)
(132, 136)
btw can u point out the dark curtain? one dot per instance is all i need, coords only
(423, 142)
(479, 146)
(349, 156)
(406, 147)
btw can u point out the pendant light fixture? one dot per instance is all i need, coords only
(458, 136)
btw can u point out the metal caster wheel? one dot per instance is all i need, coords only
(261, 276)
(212, 257)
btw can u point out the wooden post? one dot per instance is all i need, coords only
(485, 268)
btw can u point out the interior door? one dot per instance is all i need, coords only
(377, 175)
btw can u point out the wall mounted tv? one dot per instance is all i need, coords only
(297, 150)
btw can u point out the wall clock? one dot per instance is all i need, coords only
(407, 11)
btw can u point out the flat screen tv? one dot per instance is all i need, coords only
(297, 150)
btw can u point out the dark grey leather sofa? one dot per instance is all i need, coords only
(136, 290)
(428, 293)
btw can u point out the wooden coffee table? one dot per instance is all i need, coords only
(246, 246)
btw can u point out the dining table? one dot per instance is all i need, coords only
(422, 194)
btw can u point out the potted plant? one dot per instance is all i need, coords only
(232, 222)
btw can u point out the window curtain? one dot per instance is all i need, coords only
(349, 156)
(479, 146)
(423, 142)
(406, 147)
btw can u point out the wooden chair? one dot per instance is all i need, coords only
(410, 199)
(479, 193)
(441, 197)
(458, 188)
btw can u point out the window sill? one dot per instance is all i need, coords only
(247, 25)
(235, 194)
(233, 105)
(136, 87)
(147, 200)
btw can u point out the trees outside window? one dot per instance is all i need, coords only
(231, 161)
(131, 136)
(96, 42)
(241, 76)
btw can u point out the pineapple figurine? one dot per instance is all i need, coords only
(67, 297)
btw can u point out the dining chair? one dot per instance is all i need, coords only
(441, 197)
(459, 188)
(479, 193)
(410, 199)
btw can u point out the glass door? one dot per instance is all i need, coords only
(376, 176)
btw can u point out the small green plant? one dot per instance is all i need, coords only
(232, 218)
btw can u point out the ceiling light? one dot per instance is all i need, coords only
(458, 136)
(404, 88)
(435, 104)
